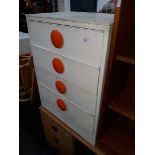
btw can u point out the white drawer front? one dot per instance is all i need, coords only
(80, 75)
(76, 95)
(73, 113)
(79, 43)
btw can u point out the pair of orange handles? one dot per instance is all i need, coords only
(62, 89)
(57, 41)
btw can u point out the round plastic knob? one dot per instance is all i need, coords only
(57, 39)
(61, 104)
(58, 65)
(60, 87)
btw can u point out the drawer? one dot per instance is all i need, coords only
(54, 127)
(59, 144)
(81, 98)
(65, 110)
(77, 43)
(57, 137)
(79, 74)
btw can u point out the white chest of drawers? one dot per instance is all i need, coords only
(70, 52)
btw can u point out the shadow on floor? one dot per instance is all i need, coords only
(31, 136)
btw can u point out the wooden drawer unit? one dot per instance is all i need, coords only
(72, 71)
(57, 137)
(70, 52)
(86, 44)
(82, 98)
(74, 114)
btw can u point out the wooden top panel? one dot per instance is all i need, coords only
(79, 19)
(95, 18)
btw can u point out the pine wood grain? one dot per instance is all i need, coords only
(119, 137)
(123, 103)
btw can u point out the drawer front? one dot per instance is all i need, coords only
(77, 43)
(59, 144)
(54, 127)
(76, 95)
(72, 113)
(81, 75)
(57, 136)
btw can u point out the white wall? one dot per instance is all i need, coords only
(64, 5)
(67, 5)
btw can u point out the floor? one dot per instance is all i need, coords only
(31, 137)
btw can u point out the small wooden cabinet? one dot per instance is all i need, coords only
(118, 120)
(57, 137)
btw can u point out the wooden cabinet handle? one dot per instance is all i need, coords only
(54, 128)
(56, 140)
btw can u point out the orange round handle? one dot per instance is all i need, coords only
(58, 65)
(61, 104)
(60, 87)
(57, 38)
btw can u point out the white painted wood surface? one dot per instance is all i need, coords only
(102, 76)
(76, 115)
(83, 17)
(95, 21)
(81, 75)
(82, 44)
(90, 137)
(76, 95)
(85, 65)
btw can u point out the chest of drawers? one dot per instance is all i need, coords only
(70, 52)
